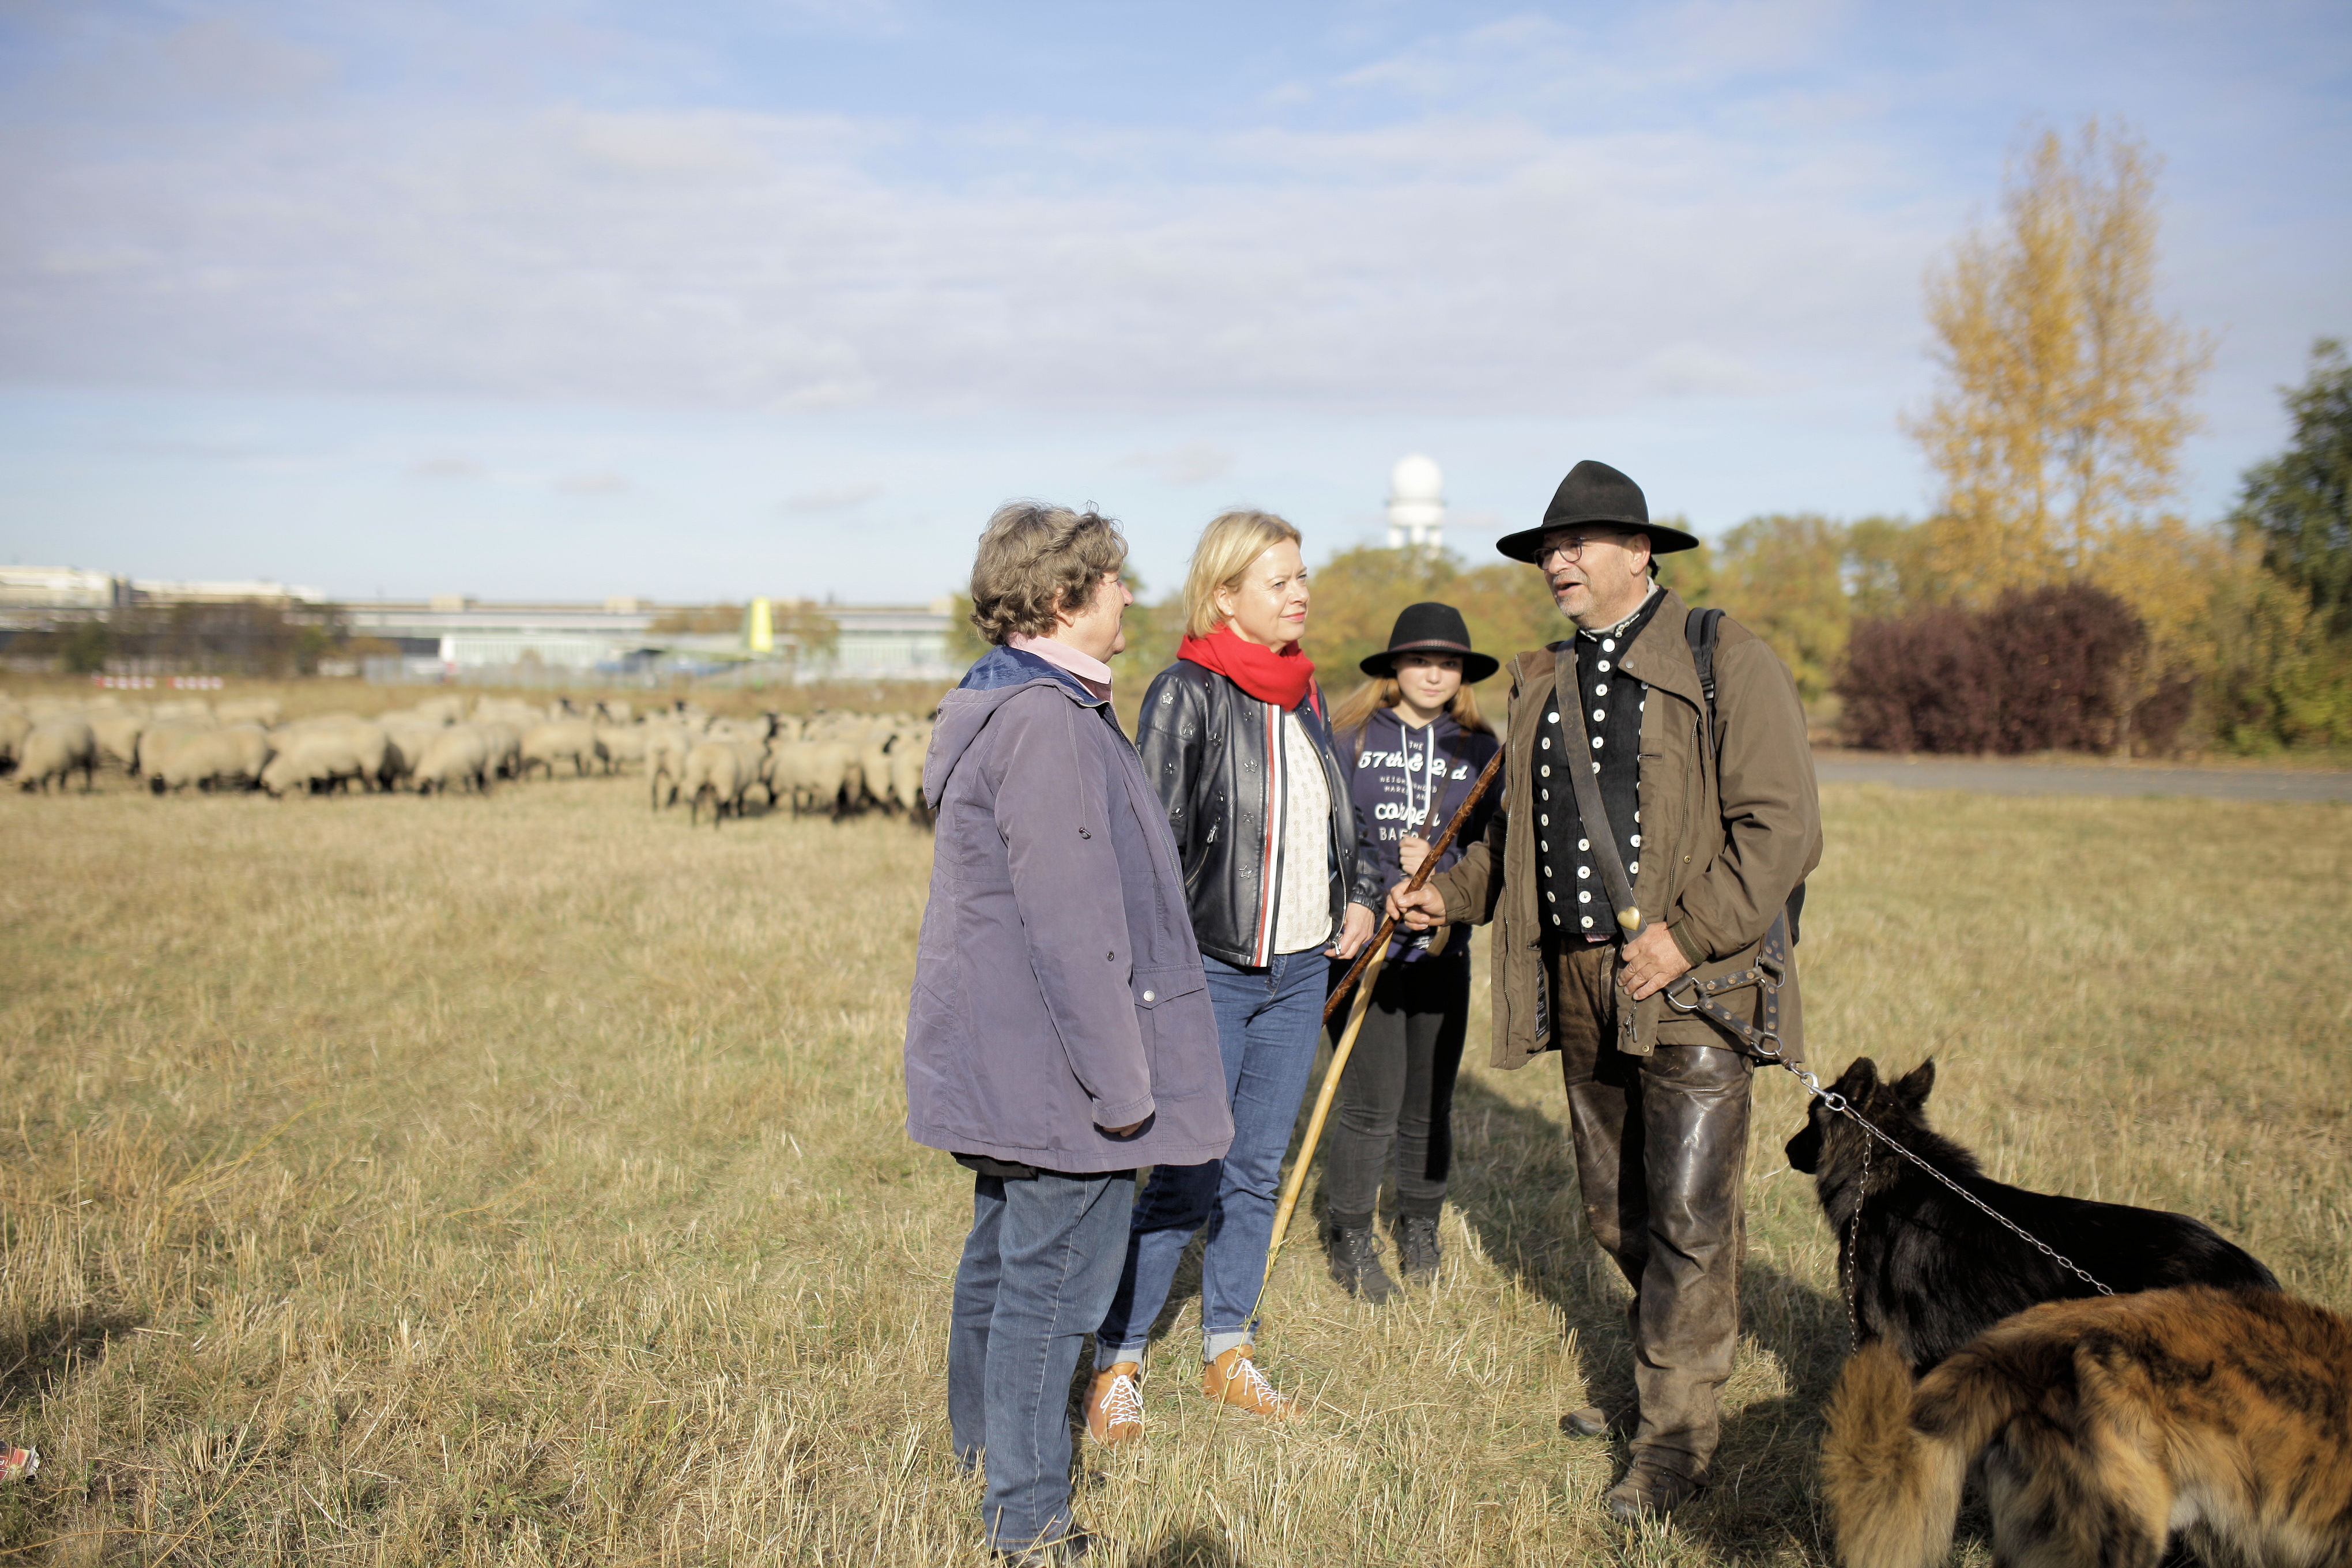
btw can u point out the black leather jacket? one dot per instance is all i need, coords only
(1205, 743)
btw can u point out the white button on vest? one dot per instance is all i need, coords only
(1147, 996)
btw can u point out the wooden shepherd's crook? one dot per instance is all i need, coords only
(1366, 969)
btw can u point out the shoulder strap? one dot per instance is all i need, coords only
(1702, 628)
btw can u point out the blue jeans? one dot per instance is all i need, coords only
(1267, 1021)
(1041, 1259)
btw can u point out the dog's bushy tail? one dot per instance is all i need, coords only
(1896, 1456)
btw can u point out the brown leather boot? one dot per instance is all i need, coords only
(1234, 1379)
(1652, 1489)
(1114, 1404)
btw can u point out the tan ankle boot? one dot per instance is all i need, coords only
(1114, 1404)
(1234, 1379)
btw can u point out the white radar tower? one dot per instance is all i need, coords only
(1416, 504)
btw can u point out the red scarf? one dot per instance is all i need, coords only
(1280, 676)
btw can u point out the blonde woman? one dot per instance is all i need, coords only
(1234, 741)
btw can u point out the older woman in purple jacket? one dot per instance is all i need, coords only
(1060, 1032)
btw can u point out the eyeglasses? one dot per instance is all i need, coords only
(1572, 547)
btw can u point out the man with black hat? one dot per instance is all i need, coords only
(1659, 821)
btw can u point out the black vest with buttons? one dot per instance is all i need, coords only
(1572, 901)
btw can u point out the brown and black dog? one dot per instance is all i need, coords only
(1930, 1271)
(2104, 1424)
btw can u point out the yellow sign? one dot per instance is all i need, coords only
(758, 628)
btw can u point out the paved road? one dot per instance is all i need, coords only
(2067, 778)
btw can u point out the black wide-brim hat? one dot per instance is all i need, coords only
(1430, 627)
(1595, 492)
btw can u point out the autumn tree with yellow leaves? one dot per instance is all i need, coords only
(2066, 395)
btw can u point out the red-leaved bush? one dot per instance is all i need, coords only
(2056, 668)
(1921, 682)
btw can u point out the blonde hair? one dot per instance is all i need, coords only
(1036, 561)
(1382, 691)
(1231, 542)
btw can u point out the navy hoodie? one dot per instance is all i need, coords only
(1387, 764)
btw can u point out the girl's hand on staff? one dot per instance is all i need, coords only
(1411, 850)
(1354, 932)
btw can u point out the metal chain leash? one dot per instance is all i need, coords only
(1840, 1104)
(1853, 1252)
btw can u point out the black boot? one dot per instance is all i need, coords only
(1355, 1253)
(1418, 1253)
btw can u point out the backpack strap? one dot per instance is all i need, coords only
(1703, 629)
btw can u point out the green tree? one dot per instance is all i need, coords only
(86, 648)
(1885, 567)
(1690, 573)
(1783, 577)
(1357, 594)
(2298, 505)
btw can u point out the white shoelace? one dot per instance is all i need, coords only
(1122, 1403)
(1260, 1389)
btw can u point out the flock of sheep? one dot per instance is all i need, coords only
(834, 763)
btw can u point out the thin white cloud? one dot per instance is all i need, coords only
(448, 468)
(1547, 217)
(1194, 463)
(601, 483)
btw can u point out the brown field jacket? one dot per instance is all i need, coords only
(1725, 838)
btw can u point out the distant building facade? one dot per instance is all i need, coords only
(450, 634)
(459, 635)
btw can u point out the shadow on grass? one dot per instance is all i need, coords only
(1515, 1182)
(1190, 1549)
(35, 1358)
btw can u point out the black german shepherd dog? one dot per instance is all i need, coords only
(1929, 1272)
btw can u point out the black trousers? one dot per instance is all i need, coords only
(1397, 1095)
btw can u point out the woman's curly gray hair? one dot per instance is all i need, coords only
(1037, 562)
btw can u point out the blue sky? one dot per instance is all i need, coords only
(698, 300)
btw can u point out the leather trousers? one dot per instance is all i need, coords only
(1661, 1150)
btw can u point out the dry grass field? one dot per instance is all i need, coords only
(522, 1180)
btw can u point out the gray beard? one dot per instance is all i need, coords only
(1655, 589)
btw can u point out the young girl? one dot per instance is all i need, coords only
(1413, 743)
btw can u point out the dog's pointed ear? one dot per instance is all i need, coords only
(1915, 1086)
(1860, 1076)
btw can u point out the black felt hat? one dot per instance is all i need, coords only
(1430, 627)
(1595, 492)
